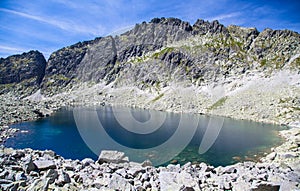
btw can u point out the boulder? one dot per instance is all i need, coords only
(28, 164)
(112, 157)
(241, 185)
(135, 171)
(117, 182)
(271, 156)
(146, 163)
(266, 187)
(87, 161)
(176, 181)
(63, 179)
(44, 164)
(20, 176)
(51, 175)
(18, 154)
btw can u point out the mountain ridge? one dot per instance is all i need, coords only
(64, 65)
(168, 64)
(159, 33)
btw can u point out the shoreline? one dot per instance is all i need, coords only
(279, 168)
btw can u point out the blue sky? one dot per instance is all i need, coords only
(48, 25)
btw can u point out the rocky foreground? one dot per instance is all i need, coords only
(44, 170)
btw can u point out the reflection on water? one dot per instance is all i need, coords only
(159, 136)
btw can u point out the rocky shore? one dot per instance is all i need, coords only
(44, 170)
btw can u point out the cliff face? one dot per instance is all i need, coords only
(156, 54)
(22, 73)
(164, 51)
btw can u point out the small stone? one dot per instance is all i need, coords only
(146, 163)
(229, 169)
(34, 174)
(20, 176)
(288, 155)
(227, 185)
(46, 185)
(146, 185)
(5, 181)
(10, 186)
(63, 179)
(145, 177)
(117, 182)
(266, 187)
(11, 176)
(238, 186)
(87, 161)
(186, 165)
(68, 166)
(48, 154)
(3, 174)
(121, 172)
(51, 174)
(139, 188)
(271, 156)
(186, 188)
(203, 167)
(135, 171)
(16, 168)
(18, 154)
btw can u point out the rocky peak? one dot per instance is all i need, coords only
(173, 22)
(202, 27)
(269, 33)
(22, 71)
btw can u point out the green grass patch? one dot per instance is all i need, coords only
(296, 108)
(218, 103)
(157, 98)
(162, 52)
(263, 62)
(296, 63)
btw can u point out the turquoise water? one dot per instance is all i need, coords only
(169, 138)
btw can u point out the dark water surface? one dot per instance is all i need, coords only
(159, 136)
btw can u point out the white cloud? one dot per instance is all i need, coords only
(4, 48)
(121, 30)
(224, 16)
(69, 26)
(9, 50)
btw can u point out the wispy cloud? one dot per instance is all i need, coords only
(8, 50)
(224, 16)
(69, 26)
(4, 48)
(121, 30)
